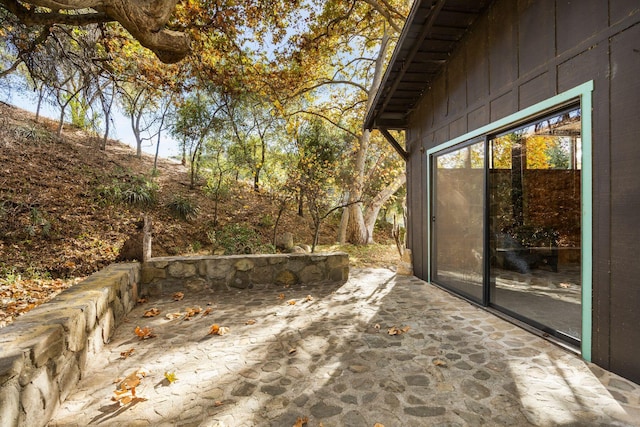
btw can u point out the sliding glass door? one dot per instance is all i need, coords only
(534, 217)
(506, 222)
(457, 219)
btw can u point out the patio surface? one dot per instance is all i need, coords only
(330, 358)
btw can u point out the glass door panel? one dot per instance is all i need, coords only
(457, 220)
(534, 224)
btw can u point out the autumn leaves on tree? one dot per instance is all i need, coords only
(235, 83)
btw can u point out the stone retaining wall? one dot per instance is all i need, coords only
(43, 354)
(242, 271)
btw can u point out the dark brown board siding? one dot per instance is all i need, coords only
(507, 67)
(625, 202)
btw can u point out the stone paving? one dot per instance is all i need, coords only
(329, 357)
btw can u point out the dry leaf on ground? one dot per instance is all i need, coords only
(301, 421)
(281, 296)
(218, 330)
(144, 333)
(250, 322)
(142, 300)
(440, 362)
(152, 312)
(291, 302)
(398, 331)
(207, 311)
(172, 316)
(192, 312)
(171, 377)
(127, 353)
(178, 296)
(292, 350)
(378, 425)
(125, 391)
(308, 298)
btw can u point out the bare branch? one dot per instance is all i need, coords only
(322, 116)
(385, 13)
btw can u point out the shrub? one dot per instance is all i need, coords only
(183, 208)
(138, 191)
(238, 239)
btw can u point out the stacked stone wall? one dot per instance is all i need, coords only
(43, 354)
(242, 271)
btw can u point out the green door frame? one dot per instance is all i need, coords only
(583, 94)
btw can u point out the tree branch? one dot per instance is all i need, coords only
(144, 19)
(385, 13)
(329, 120)
(31, 17)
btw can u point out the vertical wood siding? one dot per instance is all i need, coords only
(522, 52)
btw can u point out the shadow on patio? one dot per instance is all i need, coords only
(331, 359)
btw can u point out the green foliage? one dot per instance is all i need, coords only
(196, 246)
(137, 191)
(267, 221)
(558, 155)
(31, 133)
(238, 239)
(9, 275)
(183, 208)
(37, 224)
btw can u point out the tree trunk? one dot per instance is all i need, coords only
(344, 222)
(357, 232)
(372, 211)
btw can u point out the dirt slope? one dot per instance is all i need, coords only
(56, 227)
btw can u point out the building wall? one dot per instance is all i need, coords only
(523, 52)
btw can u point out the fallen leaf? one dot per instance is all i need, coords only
(218, 330)
(144, 333)
(171, 377)
(398, 331)
(308, 298)
(291, 302)
(127, 353)
(207, 311)
(125, 391)
(178, 296)
(172, 316)
(292, 350)
(440, 362)
(250, 322)
(142, 300)
(281, 296)
(192, 312)
(565, 285)
(301, 421)
(152, 312)
(218, 403)
(378, 425)
(377, 326)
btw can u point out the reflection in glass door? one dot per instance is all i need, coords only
(534, 223)
(506, 222)
(457, 220)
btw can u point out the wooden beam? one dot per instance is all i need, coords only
(394, 144)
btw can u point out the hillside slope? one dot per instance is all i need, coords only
(56, 225)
